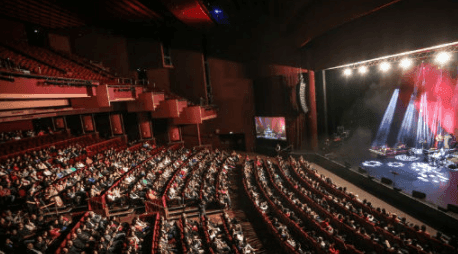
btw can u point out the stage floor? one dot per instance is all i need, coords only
(412, 173)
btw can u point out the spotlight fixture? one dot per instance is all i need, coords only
(347, 72)
(443, 57)
(362, 69)
(385, 66)
(406, 63)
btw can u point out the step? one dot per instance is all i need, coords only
(195, 214)
(123, 212)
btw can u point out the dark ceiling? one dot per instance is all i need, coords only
(256, 25)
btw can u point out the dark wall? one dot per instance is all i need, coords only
(233, 94)
(12, 30)
(187, 76)
(404, 26)
(272, 96)
(144, 53)
(104, 47)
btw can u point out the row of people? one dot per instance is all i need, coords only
(284, 201)
(380, 223)
(235, 233)
(23, 232)
(269, 213)
(99, 234)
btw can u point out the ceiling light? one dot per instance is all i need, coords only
(443, 57)
(406, 63)
(347, 72)
(362, 69)
(385, 66)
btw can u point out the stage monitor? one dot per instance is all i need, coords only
(270, 128)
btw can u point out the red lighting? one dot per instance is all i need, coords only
(189, 12)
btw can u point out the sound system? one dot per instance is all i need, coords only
(417, 194)
(387, 181)
(362, 170)
(443, 209)
(452, 208)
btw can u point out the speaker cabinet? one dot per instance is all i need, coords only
(387, 181)
(452, 208)
(417, 194)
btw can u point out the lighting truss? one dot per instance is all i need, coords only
(416, 55)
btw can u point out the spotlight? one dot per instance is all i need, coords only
(362, 69)
(385, 66)
(217, 11)
(443, 57)
(347, 72)
(405, 63)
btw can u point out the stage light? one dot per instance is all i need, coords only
(406, 63)
(217, 11)
(443, 57)
(362, 69)
(385, 66)
(347, 72)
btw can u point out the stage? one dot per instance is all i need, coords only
(415, 173)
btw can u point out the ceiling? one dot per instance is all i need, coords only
(291, 23)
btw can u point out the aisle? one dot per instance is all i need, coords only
(253, 227)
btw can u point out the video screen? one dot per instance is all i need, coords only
(270, 127)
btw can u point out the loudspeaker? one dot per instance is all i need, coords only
(387, 181)
(442, 209)
(452, 208)
(417, 194)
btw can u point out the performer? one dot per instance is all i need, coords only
(268, 133)
(440, 141)
(447, 141)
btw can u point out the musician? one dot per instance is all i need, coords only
(447, 140)
(440, 141)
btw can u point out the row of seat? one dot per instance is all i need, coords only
(71, 68)
(156, 234)
(408, 231)
(32, 142)
(82, 140)
(133, 170)
(118, 142)
(249, 176)
(73, 230)
(22, 62)
(323, 215)
(302, 234)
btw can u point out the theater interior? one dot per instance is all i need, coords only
(228, 126)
